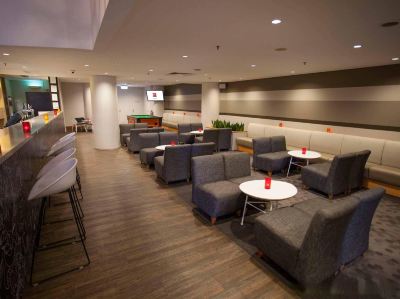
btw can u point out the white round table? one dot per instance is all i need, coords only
(196, 132)
(162, 147)
(309, 155)
(256, 189)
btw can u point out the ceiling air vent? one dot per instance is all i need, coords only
(179, 74)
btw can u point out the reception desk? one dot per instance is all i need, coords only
(21, 157)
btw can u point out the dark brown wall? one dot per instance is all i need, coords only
(185, 97)
(367, 97)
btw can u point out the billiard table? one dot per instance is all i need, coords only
(151, 120)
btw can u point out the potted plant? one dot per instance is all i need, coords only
(237, 129)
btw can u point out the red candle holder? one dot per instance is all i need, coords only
(26, 126)
(55, 111)
(304, 150)
(200, 129)
(173, 143)
(268, 183)
(281, 124)
(329, 130)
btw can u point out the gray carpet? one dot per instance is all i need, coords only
(375, 275)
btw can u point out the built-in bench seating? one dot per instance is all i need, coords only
(171, 120)
(383, 165)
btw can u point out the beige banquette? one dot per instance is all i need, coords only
(171, 120)
(383, 166)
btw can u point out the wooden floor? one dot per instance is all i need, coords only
(144, 241)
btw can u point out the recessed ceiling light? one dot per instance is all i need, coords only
(395, 58)
(276, 21)
(124, 86)
(253, 65)
(292, 72)
(185, 56)
(105, 73)
(357, 46)
(6, 54)
(86, 65)
(240, 78)
(151, 70)
(219, 80)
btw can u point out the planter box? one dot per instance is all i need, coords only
(236, 134)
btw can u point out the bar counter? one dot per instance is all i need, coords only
(21, 157)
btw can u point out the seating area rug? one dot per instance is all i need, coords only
(374, 275)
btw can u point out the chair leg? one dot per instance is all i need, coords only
(213, 220)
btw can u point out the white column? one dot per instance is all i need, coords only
(105, 112)
(209, 103)
(87, 101)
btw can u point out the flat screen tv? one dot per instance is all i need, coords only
(155, 95)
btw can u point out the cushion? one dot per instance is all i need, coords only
(245, 141)
(147, 155)
(255, 130)
(385, 174)
(274, 131)
(219, 198)
(236, 165)
(297, 138)
(280, 234)
(391, 154)
(311, 206)
(328, 143)
(244, 179)
(353, 144)
(273, 161)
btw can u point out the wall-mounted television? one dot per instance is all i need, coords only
(155, 95)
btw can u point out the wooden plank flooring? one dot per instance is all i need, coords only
(144, 241)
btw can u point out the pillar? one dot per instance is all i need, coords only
(105, 112)
(209, 103)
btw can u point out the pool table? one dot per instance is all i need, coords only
(151, 120)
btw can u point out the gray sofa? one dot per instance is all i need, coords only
(312, 239)
(222, 137)
(124, 131)
(134, 133)
(383, 165)
(184, 133)
(215, 183)
(147, 143)
(174, 165)
(270, 154)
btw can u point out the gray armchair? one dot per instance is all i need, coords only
(201, 149)
(331, 178)
(133, 144)
(175, 164)
(184, 134)
(224, 139)
(196, 126)
(168, 137)
(147, 143)
(357, 170)
(209, 135)
(212, 189)
(124, 131)
(270, 154)
(155, 130)
(308, 248)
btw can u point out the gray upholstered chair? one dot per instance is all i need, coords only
(357, 170)
(168, 137)
(209, 135)
(124, 132)
(147, 143)
(201, 149)
(308, 248)
(331, 178)
(155, 130)
(132, 144)
(224, 139)
(211, 192)
(184, 134)
(270, 154)
(196, 126)
(175, 164)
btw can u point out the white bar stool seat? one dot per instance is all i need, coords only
(62, 145)
(65, 155)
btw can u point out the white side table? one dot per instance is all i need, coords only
(256, 189)
(197, 132)
(309, 155)
(162, 147)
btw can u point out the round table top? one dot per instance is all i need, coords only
(279, 190)
(308, 155)
(197, 132)
(162, 147)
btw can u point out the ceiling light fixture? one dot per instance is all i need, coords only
(395, 58)
(253, 65)
(151, 70)
(185, 56)
(86, 65)
(292, 72)
(6, 54)
(124, 86)
(105, 73)
(276, 21)
(357, 46)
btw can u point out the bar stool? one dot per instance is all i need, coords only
(62, 145)
(67, 136)
(60, 178)
(65, 155)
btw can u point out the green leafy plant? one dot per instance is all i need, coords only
(227, 124)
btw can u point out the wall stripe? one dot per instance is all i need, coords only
(183, 97)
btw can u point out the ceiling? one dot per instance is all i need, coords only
(139, 35)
